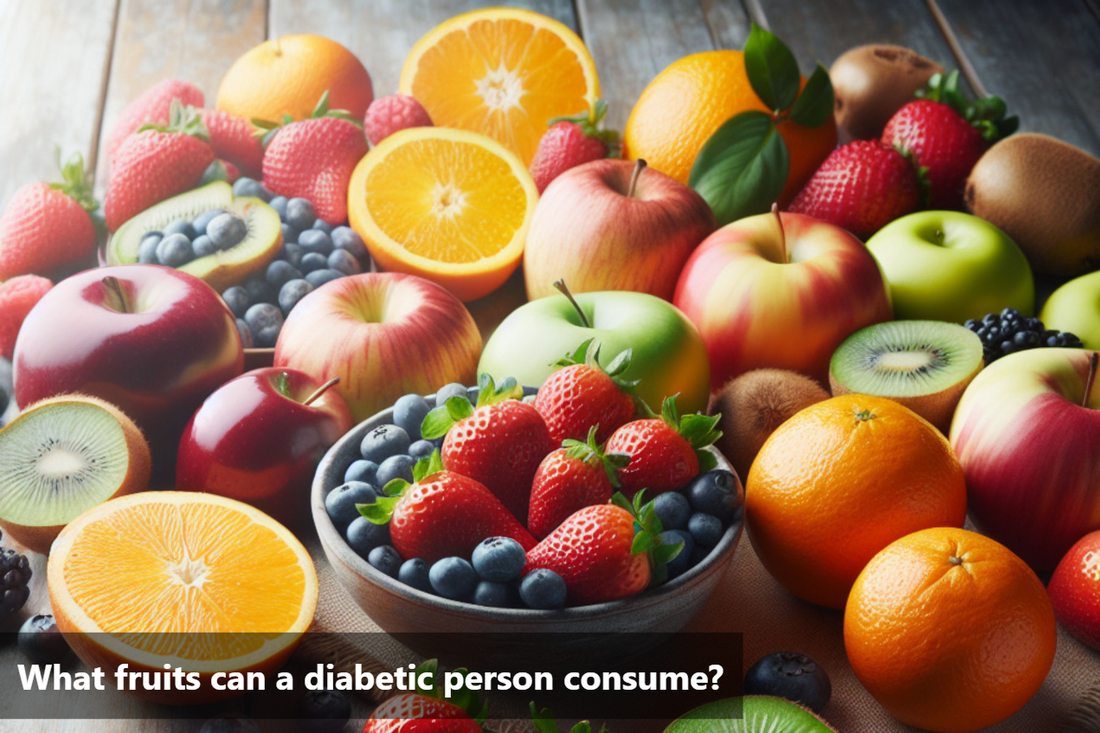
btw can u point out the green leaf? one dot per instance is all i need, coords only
(814, 106)
(707, 461)
(772, 69)
(742, 168)
(459, 408)
(700, 430)
(396, 487)
(643, 542)
(666, 553)
(427, 466)
(622, 502)
(432, 666)
(381, 510)
(543, 720)
(619, 364)
(577, 356)
(440, 419)
(282, 384)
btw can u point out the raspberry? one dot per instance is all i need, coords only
(387, 115)
(17, 297)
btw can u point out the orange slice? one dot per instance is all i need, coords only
(503, 72)
(188, 579)
(447, 205)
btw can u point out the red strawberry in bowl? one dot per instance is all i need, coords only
(665, 452)
(314, 158)
(500, 443)
(234, 141)
(151, 107)
(582, 394)
(572, 141)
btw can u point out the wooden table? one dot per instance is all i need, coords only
(68, 67)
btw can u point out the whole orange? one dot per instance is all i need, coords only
(288, 75)
(839, 481)
(949, 630)
(684, 105)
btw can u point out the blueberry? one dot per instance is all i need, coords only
(279, 204)
(258, 289)
(266, 321)
(343, 261)
(499, 559)
(323, 711)
(203, 220)
(203, 246)
(290, 234)
(453, 577)
(247, 342)
(454, 389)
(384, 441)
(414, 573)
(147, 250)
(543, 589)
(317, 278)
(795, 677)
(40, 641)
(489, 593)
(314, 240)
(245, 186)
(364, 535)
(300, 214)
(291, 253)
(291, 293)
(386, 559)
(365, 471)
(680, 563)
(229, 723)
(421, 449)
(346, 238)
(322, 226)
(226, 230)
(180, 226)
(312, 261)
(705, 529)
(409, 412)
(175, 250)
(714, 492)
(341, 502)
(396, 467)
(673, 509)
(279, 273)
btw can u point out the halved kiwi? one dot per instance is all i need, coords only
(750, 714)
(222, 269)
(924, 365)
(61, 457)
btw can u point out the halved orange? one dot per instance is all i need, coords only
(447, 205)
(187, 579)
(503, 72)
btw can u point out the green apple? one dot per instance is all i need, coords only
(950, 266)
(1075, 307)
(668, 355)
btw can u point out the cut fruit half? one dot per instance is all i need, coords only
(750, 714)
(447, 205)
(924, 365)
(260, 246)
(503, 72)
(193, 580)
(61, 457)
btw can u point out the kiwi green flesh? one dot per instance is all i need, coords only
(58, 461)
(906, 358)
(124, 244)
(750, 714)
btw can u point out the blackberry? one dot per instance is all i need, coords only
(1010, 331)
(15, 579)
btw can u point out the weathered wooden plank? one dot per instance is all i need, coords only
(1043, 58)
(53, 68)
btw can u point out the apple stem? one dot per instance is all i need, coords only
(116, 294)
(782, 233)
(1093, 363)
(564, 289)
(321, 390)
(639, 166)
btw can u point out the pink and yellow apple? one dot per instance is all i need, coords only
(384, 334)
(1029, 444)
(779, 291)
(613, 225)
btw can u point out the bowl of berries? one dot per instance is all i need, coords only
(497, 509)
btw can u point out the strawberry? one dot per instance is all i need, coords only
(17, 297)
(862, 187)
(46, 225)
(390, 114)
(571, 141)
(314, 158)
(157, 163)
(500, 444)
(414, 713)
(153, 107)
(601, 556)
(664, 452)
(234, 141)
(443, 514)
(946, 136)
(581, 395)
(569, 479)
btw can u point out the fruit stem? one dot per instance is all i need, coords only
(321, 390)
(782, 232)
(278, 48)
(116, 295)
(1093, 363)
(564, 289)
(639, 166)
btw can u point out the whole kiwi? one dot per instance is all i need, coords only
(1045, 194)
(871, 83)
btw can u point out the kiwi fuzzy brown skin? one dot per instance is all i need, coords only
(1045, 194)
(937, 408)
(871, 83)
(753, 405)
(139, 470)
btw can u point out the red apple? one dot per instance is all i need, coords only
(1028, 441)
(1075, 590)
(384, 334)
(611, 225)
(779, 291)
(152, 340)
(259, 437)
